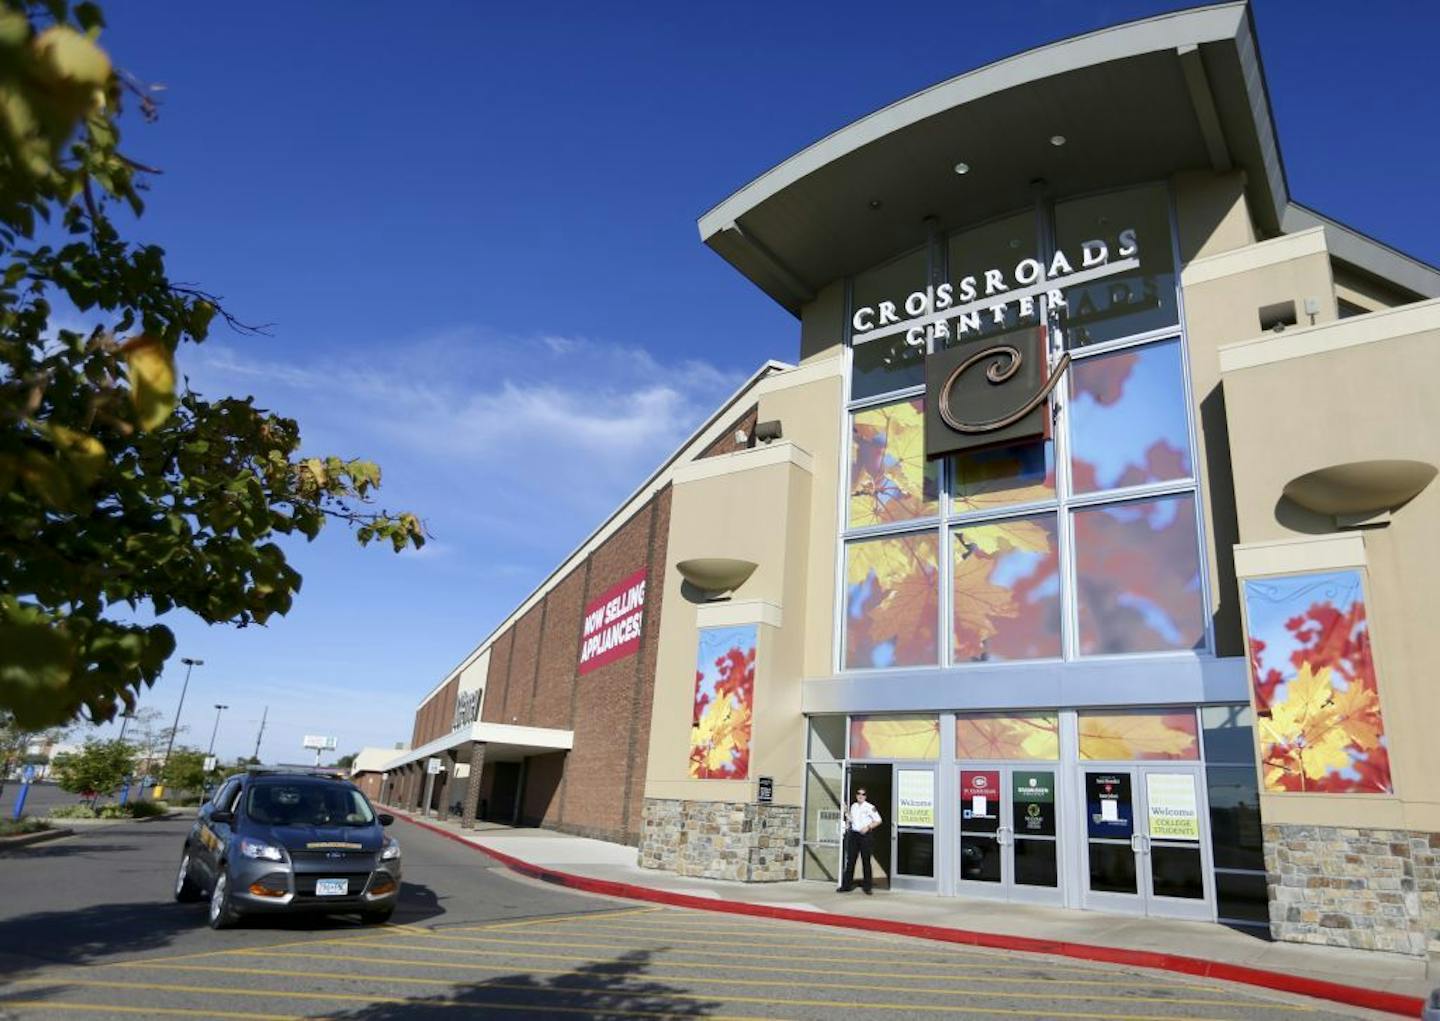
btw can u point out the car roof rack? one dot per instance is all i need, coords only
(321, 772)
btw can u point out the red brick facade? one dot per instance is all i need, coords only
(596, 789)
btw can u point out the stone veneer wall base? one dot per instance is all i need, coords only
(1347, 887)
(748, 843)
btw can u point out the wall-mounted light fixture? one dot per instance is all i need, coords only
(767, 432)
(715, 576)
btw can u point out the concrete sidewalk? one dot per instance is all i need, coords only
(616, 863)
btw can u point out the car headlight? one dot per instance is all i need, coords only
(259, 849)
(391, 850)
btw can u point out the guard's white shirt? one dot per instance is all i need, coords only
(863, 815)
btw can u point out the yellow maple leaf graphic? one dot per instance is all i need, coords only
(723, 728)
(977, 603)
(895, 482)
(1004, 536)
(900, 739)
(1135, 736)
(1316, 729)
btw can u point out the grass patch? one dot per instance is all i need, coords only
(27, 824)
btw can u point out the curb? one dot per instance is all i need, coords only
(1370, 999)
(38, 837)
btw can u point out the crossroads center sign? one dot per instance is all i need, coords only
(980, 395)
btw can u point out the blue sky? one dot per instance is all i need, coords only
(473, 226)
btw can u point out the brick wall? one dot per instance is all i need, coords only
(597, 789)
(726, 444)
(435, 716)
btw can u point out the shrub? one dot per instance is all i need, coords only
(13, 828)
(72, 812)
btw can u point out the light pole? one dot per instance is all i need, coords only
(218, 710)
(190, 664)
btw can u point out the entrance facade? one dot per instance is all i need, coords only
(1099, 809)
(1146, 841)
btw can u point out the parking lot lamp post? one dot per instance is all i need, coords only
(218, 710)
(190, 664)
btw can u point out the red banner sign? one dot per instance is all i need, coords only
(612, 623)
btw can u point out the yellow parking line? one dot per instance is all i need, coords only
(168, 1011)
(859, 939)
(580, 917)
(241, 950)
(733, 979)
(468, 1004)
(869, 950)
(891, 976)
(847, 1005)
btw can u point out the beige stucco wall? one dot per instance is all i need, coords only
(775, 505)
(1356, 390)
(1226, 278)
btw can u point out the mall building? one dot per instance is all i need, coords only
(1091, 530)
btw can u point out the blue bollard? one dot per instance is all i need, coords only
(125, 792)
(20, 799)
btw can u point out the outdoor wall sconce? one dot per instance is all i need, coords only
(1360, 489)
(714, 576)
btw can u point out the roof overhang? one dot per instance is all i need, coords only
(504, 742)
(1137, 102)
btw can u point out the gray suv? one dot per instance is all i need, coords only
(291, 842)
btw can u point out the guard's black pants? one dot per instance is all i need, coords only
(859, 845)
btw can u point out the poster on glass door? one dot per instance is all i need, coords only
(1109, 809)
(1033, 798)
(916, 798)
(980, 800)
(1170, 806)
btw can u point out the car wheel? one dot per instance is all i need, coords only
(222, 914)
(186, 890)
(377, 917)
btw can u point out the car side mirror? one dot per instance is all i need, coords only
(385, 818)
(222, 816)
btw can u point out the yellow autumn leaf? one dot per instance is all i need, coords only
(82, 452)
(1358, 707)
(1004, 536)
(1134, 736)
(1328, 752)
(901, 739)
(152, 380)
(723, 728)
(894, 488)
(892, 560)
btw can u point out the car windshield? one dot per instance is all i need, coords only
(308, 804)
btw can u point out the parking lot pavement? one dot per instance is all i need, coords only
(471, 940)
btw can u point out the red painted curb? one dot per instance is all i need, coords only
(1370, 999)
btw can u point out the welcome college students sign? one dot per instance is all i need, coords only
(613, 623)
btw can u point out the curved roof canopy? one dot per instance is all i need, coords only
(1136, 102)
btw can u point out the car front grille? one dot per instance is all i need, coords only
(343, 861)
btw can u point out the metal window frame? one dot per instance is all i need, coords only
(1064, 502)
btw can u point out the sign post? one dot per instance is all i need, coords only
(319, 744)
(27, 777)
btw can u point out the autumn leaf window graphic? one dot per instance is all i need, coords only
(724, 703)
(1319, 721)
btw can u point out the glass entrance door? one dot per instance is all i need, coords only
(1008, 835)
(914, 828)
(1145, 841)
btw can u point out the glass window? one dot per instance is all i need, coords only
(1002, 476)
(889, 363)
(827, 737)
(895, 737)
(1137, 572)
(1007, 736)
(1242, 897)
(824, 794)
(1129, 224)
(1138, 734)
(1235, 832)
(890, 480)
(1313, 678)
(892, 603)
(1229, 734)
(1128, 420)
(1006, 599)
(973, 253)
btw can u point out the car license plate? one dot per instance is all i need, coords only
(332, 887)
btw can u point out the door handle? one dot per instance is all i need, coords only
(1135, 844)
(1005, 836)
